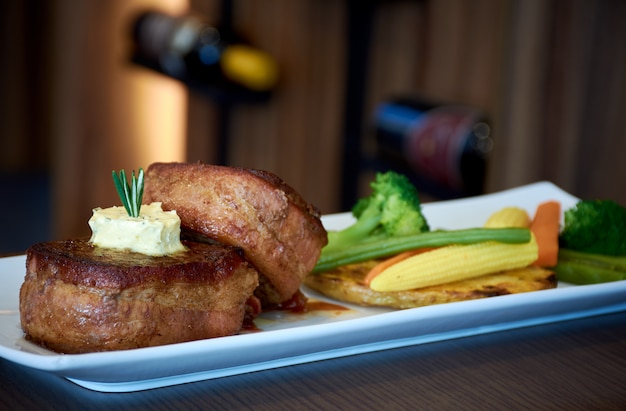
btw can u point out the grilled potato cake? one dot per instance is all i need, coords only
(347, 284)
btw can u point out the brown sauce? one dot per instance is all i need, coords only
(298, 304)
(250, 326)
(324, 306)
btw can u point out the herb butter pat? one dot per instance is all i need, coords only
(155, 232)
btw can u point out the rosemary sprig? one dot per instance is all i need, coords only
(131, 195)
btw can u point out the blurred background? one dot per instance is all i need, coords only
(548, 76)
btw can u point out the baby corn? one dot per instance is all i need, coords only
(509, 217)
(454, 263)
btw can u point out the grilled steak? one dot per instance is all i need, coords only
(280, 233)
(79, 298)
(347, 284)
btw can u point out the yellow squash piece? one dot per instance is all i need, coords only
(508, 217)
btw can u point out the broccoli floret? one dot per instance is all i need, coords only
(595, 226)
(392, 209)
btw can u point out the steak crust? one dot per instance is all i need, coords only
(79, 298)
(347, 284)
(280, 233)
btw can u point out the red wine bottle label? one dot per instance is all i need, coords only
(434, 145)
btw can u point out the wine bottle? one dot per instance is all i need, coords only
(444, 148)
(191, 50)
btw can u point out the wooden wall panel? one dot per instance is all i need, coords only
(446, 50)
(564, 96)
(396, 57)
(549, 73)
(515, 157)
(14, 98)
(106, 113)
(600, 166)
(569, 66)
(202, 114)
(297, 134)
(24, 119)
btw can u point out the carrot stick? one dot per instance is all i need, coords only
(383, 265)
(545, 227)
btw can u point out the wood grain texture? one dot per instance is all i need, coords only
(107, 114)
(297, 135)
(548, 73)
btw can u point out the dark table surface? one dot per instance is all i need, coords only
(570, 365)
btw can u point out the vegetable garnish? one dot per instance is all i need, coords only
(367, 250)
(592, 244)
(508, 217)
(383, 265)
(415, 269)
(131, 195)
(579, 267)
(392, 210)
(545, 226)
(454, 263)
(595, 226)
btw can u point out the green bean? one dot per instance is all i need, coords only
(578, 267)
(379, 248)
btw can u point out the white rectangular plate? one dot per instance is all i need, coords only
(288, 339)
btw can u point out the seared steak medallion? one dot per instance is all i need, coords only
(280, 233)
(80, 298)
